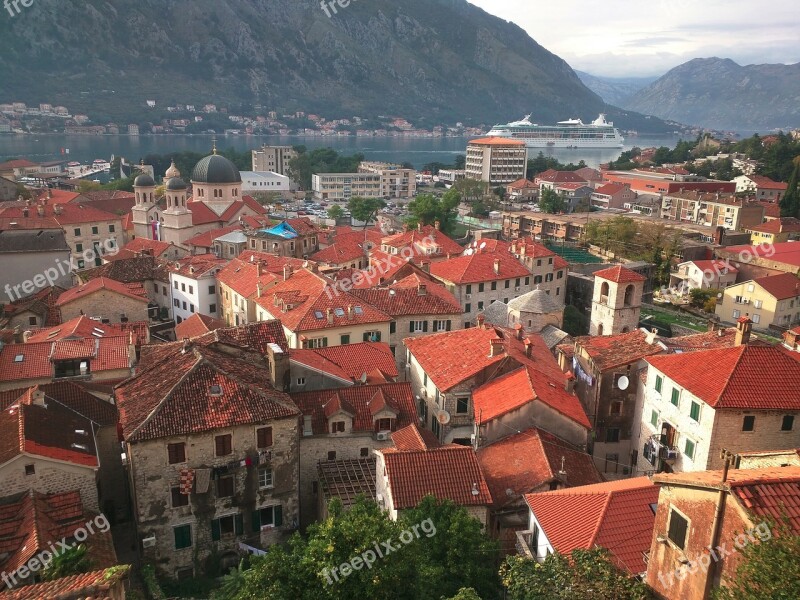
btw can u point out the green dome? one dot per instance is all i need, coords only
(176, 184)
(216, 169)
(144, 180)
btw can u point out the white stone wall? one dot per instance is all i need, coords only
(50, 477)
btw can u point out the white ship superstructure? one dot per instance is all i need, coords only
(572, 133)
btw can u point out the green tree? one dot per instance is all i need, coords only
(790, 203)
(471, 190)
(500, 192)
(466, 594)
(70, 562)
(699, 297)
(768, 570)
(335, 212)
(551, 202)
(428, 208)
(365, 209)
(586, 574)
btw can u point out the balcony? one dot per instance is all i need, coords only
(523, 544)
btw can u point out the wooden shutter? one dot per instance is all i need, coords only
(449, 325)
(278, 512)
(215, 530)
(256, 521)
(238, 524)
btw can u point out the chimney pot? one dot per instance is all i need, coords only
(528, 348)
(437, 224)
(520, 331)
(480, 320)
(496, 266)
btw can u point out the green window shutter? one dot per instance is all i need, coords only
(215, 531)
(278, 515)
(694, 412)
(424, 326)
(659, 381)
(675, 396)
(256, 521)
(238, 524)
(392, 327)
(411, 327)
(183, 536)
(435, 326)
(449, 325)
(366, 337)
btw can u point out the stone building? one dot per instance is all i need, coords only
(212, 449)
(617, 301)
(108, 300)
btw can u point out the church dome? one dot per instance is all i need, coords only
(144, 180)
(172, 171)
(216, 169)
(536, 301)
(176, 184)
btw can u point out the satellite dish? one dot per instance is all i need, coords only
(483, 245)
(468, 252)
(443, 417)
(475, 244)
(364, 378)
(623, 382)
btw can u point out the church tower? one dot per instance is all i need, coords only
(177, 225)
(617, 301)
(144, 188)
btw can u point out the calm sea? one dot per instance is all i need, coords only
(85, 148)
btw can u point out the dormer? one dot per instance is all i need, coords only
(384, 412)
(339, 415)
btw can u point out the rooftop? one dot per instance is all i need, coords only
(351, 362)
(611, 351)
(620, 274)
(479, 267)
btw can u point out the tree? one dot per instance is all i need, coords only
(551, 202)
(790, 203)
(471, 190)
(466, 594)
(586, 574)
(70, 562)
(428, 208)
(460, 162)
(500, 192)
(768, 569)
(365, 209)
(335, 212)
(698, 297)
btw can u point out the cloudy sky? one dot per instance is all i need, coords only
(636, 38)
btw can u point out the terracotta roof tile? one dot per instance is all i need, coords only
(479, 267)
(243, 274)
(553, 176)
(96, 285)
(525, 461)
(206, 240)
(83, 327)
(783, 286)
(398, 395)
(739, 377)
(349, 247)
(421, 240)
(448, 473)
(610, 351)
(350, 362)
(197, 325)
(414, 438)
(614, 515)
(96, 585)
(412, 295)
(496, 141)
(620, 274)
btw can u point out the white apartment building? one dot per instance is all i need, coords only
(264, 181)
(273, 158)
(341, 187)
(193, 281)
(396, 181)
(496, 161)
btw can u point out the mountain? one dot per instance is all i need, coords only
(614, 90)
(718, 93)
(426, 60)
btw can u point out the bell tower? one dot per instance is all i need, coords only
(617, 301)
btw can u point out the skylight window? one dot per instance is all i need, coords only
(18, 358)
(339, 312)
(359, 310)
(319, 314)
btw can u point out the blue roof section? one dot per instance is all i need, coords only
(283, 230)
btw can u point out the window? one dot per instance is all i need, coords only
(111, 229)
(694, 411)
(527, 281)
(688, 448)
(77, 231)
(225, 487)
(560, 275)
(176, 303)
(175, 284)
(480, 305)
(264, 437)
(654, 419)
(344, 339)
(81, 264)
(676, 396)
(537, 280)
(788, 423)
(269, 516)
(183, 287)
(95, 231)
(469, 289)
(337, 427)
(183, 536)
(508, 283)
(736, 314)
(393, 327)
(383, 425)
(191, 308)
(223, 444)
(78, 247)
(441, 326)
(616, 408)
(265, 478)
(678, 528)
(494, 285)
(176, 453)
(332, 455)
(191, 289)
(32, 321)
(751, 288)
(372, 336)
(418, 326)
(301, 381)
(749, 423)
(178, 499)
(659, 382)
(462, 405)
(468, 307)
(480, 287)
(228, 526)
(318, 343)
(756, 318)
(612, 435)
(212, 308)
(30, 470)
(364, 452)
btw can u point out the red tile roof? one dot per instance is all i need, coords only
(553, 176)
(414, 438)
(411, 296)
(42, 303)
(620, 274)
(609, 189)
(45, 431)
(197, 325)
(83, 327)
(782, 225)
(765, 183)
(496, 141)
(397, 396)
(196, 266)
(783, 286)
(243, 274)
(772, 210)
(421, 239)
(70, 394)
(614, 515)
(65, 213)
(525, 461)
(173, 396)
(350, 362)
(142, 245)
(448, 473)
(611, 351)
(18, 163)
(522, 184)
(741, 377)
(303, 301)
(479, 267)
(522, 386)
(714, 266)
(97, 285)
(770, 493)
(782, 252)
(349, 247)
(206, 240)
(384, 268)
(202, 214)
(95, 585)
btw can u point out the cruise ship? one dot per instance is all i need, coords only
(572, 133)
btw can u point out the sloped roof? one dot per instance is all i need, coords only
(96, 285)
(95, 585)
(520, 463)
(174, 395)
(739, 377)
(197, 325)
(616, 515)
(398, 396)
(448, 473)
(411, 296)
(350, 362)
(419, 239)
(620, 274)
(82, 327)
(536, 301)
(783, 286)
(479, 267)
(414, 438)
(348, 247)
(610, 351)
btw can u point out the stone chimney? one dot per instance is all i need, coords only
(37, 397)
(26, 212)
(40, 210)
(278, 367)
(419, 226)
(497, 266)
(260, 288)
(287, 272)
(57, 209)
(496, 348)
(480, 319)
(744, 326)
(350, 312)
(426, 266)
(330, 316)
(651, 336)
(259, 267)
(519, 331)
(569, 385)
(422, 289)
(528, 348)
(437, 224)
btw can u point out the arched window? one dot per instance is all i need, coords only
(600, 329)
(604, 291)
(629, 291)
(625, 329)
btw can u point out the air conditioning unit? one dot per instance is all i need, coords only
(423, 392)
(516, 289)
(382, 436)
(672, 454)
(149, 542)
(469, 296)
